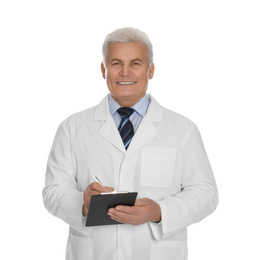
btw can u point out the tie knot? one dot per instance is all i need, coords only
(125, 112)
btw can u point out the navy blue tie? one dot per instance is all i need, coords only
(126, 128)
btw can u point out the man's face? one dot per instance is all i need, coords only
(127, 72)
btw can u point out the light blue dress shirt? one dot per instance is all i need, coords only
(140, 110)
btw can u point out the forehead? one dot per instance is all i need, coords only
(127, 51)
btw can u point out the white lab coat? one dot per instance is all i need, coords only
(165, 161)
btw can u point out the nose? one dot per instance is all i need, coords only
(125, 71)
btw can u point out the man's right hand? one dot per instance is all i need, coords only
(94, 188)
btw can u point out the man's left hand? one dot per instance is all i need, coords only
(144, 210)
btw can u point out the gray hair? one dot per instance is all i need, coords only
(128, 34)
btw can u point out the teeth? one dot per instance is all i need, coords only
(126, 83)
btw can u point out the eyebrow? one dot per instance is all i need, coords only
(114, 59)
(136, 59)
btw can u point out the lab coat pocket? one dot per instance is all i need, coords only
(79, 248)
(157, 166)
(165, 250)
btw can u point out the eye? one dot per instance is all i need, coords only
(116, 63)
(135, 63)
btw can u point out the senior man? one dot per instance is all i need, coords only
(129, 142)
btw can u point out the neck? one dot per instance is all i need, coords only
(127, 102)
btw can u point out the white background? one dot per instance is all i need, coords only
(50, 58)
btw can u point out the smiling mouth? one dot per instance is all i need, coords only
(126, 82)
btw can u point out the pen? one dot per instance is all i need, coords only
(95, 179)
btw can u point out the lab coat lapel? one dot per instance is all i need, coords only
(108, 130)
(147, 129)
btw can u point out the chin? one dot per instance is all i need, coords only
(126, 93)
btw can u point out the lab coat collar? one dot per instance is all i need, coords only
(154, 112)
(147, 129)
(102, 109)
(145, 132)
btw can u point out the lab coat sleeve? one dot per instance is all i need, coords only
(198, 197)
(61, 196)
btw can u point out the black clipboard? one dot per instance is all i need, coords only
(99, 205)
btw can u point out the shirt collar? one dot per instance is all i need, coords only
(140, 107)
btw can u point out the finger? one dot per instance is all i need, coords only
(126, 219)
(127, 210)
(100, 188)
(125, 213)
(120, 220)
(108, 189)
(94, 192)
(121, 216)
(89, 192)
(141, 202)
(97, 187)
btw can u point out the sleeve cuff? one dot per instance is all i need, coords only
(157, 228)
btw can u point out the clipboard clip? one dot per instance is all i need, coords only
(114, 192)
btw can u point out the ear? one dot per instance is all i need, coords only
(103, 70)
(151, 71)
